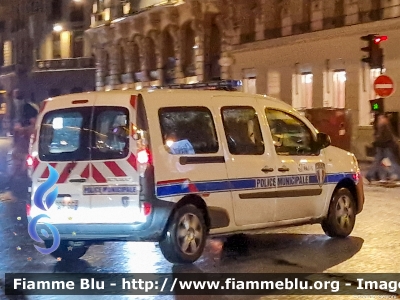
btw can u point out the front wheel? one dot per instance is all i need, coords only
(341, 215)
(69, 251)
(185, 236)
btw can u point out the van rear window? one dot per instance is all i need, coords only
(188, 130)
(64, 135)
(111, 133)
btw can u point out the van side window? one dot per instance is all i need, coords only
(290, 135)
(242, 130)
(63, 135)
(188, 130)
(110, 133)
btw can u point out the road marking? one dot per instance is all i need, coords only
(383, 86)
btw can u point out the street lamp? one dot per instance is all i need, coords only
(57, 28)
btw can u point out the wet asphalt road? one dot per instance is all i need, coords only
(372, 248)
(5, 145)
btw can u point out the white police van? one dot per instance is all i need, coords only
(175, 166)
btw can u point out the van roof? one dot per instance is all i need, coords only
(169, 91)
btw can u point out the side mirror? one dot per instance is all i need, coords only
(323, 140)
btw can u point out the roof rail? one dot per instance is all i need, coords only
(227, 85)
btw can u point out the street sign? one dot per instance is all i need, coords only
(384, 86)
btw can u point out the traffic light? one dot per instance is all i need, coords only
(377, 105)
(375, 52)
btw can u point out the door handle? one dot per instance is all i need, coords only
(78, 180)
(266, 169)
(283, 169)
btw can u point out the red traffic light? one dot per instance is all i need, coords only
(379, 39)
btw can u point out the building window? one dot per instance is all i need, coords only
(302, 85)
(56, 45)
(334, 89)
(126, 8)
(249, 85)
(77, 44)
(249, 81)
(107, 14)
(339, 89)
(7, 53)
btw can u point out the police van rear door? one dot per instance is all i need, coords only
(63, 144)
(113, 186)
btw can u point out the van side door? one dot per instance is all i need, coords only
(188, 155)
(250, 165)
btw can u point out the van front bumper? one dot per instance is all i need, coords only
(149, 231)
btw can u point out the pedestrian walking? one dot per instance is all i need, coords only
(386, 147)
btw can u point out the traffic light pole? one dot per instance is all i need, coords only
(374, 59)
(374, 51)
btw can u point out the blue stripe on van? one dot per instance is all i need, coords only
(185, 186)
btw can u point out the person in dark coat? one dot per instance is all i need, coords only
(386, 146)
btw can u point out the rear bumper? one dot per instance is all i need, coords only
(150, 231)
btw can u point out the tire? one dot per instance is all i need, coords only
(185, 237)
(341, 215)
(68, 251)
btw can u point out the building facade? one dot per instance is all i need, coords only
(305, 52)
(44, 50)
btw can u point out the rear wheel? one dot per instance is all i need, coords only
(341, 215)
(69, 250)
(185, 237)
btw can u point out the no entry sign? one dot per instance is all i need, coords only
(384, 86)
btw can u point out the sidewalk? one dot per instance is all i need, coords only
(364, 166)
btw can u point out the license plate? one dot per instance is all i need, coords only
(67, 204)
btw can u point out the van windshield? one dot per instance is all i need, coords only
(64, 135)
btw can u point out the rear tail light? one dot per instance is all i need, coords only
(29, 161)
(28, 210)
(356, 176)
(146, 208)
(143, 156)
